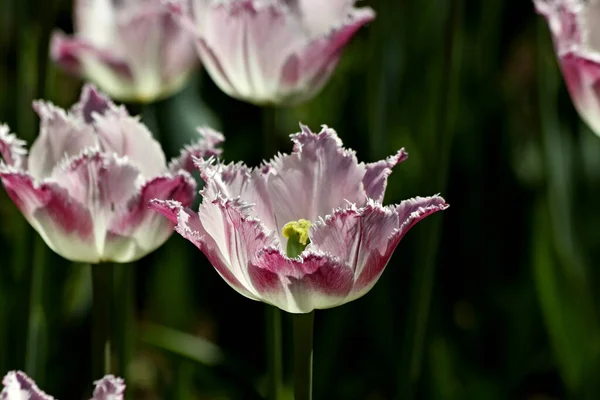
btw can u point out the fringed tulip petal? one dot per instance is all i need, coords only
(274, 51)
(319, 204)
(134, 50)
(18, 386)
(109, 388)
(576, 33)
(91, 174)
(12, 149)
(127, 136)
(205, 146)
(216, 249)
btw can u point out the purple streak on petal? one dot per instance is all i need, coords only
(69, 52)
(313, 281)
(127, 136)
(19, 386)
(205, 147)
(61, 135)
(91, 102)
(375, 179)
(12, 149)
(109, 388)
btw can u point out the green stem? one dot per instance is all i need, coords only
(102, 284)
(274, 355)
(303, 355)
(272, 314)
(124, 304)
(34, 357)
(439, 147)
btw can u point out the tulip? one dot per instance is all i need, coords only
(271, 51)
(133, 50)
(89, 177)
(19, 386)
(306, 230)
(575, 28)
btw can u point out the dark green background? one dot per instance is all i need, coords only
(514, 307)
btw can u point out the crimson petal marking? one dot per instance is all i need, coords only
(124, 135)
(582, 77)
(63, 222)
(12, 149)
(61, 135)
(140, 227)
(189, 226)
(109, 388)
(301, 285)
(19, 386)
(409, 213)
(70, 52)
(204, 147)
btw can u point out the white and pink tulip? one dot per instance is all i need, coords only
(89, 176)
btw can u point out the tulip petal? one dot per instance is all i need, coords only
(142, 228)
(76, 54)
(109, 388)
(313, 281)
(312, 64)
(224, 245)
(246, 44)
(91, 102)
(375, 179)
(61, 135)
(205, 147)
(63, 222)
(237, 180)
(125, 135)
(374, 261)
(104, 184)
(12, 149)
(582, 77)
(318, 177)
(318, 16)
(19, 386)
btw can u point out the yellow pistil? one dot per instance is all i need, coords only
(296, 232)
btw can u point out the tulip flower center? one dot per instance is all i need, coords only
(296, 233)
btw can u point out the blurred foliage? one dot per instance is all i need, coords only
(514, 310)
